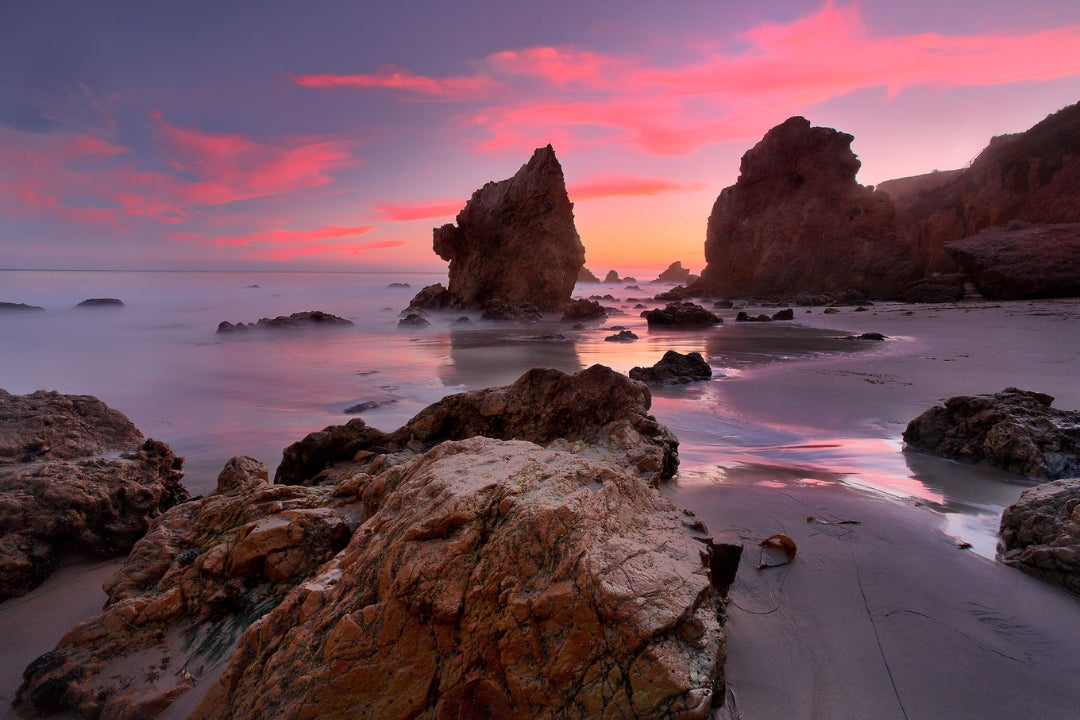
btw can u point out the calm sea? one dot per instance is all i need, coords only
(159, 360)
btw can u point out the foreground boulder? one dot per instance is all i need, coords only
(515, 241)
(76, 478)
(796, 221)
(494, 579)
(203, 573)
(596, 411)
(674, 369)
(296, 321)
(1015, 430)
(1021, 261)
(1040, 533)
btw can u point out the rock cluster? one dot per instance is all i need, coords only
(76, 477)
(796, 221)
(681, 315)
(515, 241)
(296, 321)
(418, 575)
(1020, 261)
(596, 411)
(1040, 533)
(1015, 430)
(674, 369)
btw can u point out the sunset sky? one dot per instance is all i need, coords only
(336, 135)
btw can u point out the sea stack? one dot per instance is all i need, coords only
(796, 221)
(515, 241)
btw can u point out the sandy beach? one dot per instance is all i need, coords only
(882, 617)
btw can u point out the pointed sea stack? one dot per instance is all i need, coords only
(797, 222)
(515, 241)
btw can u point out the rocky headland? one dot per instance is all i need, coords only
(77, 479)
(430, 572)
(1018, 261)
(514, 242)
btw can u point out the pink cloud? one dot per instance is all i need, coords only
(422, 211)
(325, 242)
(290, 237)
(624, 185)
(538, 94)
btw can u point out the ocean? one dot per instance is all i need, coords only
(159, 360)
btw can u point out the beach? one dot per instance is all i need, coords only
(884, 616)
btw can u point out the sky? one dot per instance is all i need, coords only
(334, 135)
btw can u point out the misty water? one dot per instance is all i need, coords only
(159, 360)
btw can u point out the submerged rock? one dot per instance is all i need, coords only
(415, 320)
(682, 315)
(515, 241)
(1015, 430)
(584, 310)
(296, 321)
(100, 302)
(1040, 533)
(1021, 261)
(76, 477)
(18, 307)
(674, 369)
(492, 579)
(622, 336)
(796, 221)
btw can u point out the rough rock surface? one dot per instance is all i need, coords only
(204, 571)
(796, 221)
(685, 315)
(596, 411)
(1040, 533)
(308, 318)
(1032, 176)
(515, 241)
(675, 273)
(76, 477)
(494, 579)
(674, 369)
(1015, 430)
(938, 288)
(1021, 261)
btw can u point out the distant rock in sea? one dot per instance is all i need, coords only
(1021, 261)
(77, 478)
(622, 336)
(413, 320)
(398, 285)
(796, 221)
(675, 273)
(18, 307)
(612, 277)
(578, 310)
(586, 276)
(100, 302)
(515, 241)
(674, 369)
(296, 321)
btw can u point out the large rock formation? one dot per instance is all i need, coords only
(675, 273)
(479, 578)
(596, 411)
(1021, 261)
(1040, 533)
(515, 241)
(797, 222)
(1032, 176)
(76, 477)
(1015, 430)
(493, 579)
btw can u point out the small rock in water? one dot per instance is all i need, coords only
(622, 336)
(101, 302)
